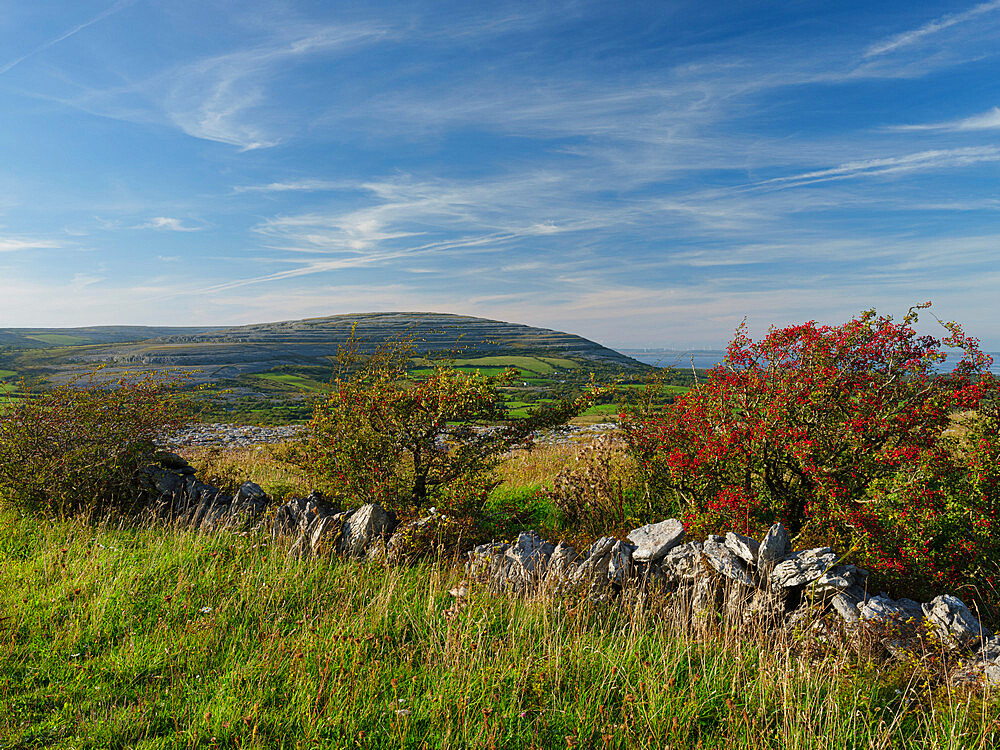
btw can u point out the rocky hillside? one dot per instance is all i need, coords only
(41, 338)
(233, 352)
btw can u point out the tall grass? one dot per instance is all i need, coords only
(159, 638)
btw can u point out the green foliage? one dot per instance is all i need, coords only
(79, 447)
(437, 536)
(381, 435)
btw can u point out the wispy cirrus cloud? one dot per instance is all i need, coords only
(66, 35)
(913, 36)
(214, 98)
(893, 165)
(168, 224)
(16, 244)
(988, 120)
(308, 186)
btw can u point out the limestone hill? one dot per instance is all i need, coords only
(227, 353)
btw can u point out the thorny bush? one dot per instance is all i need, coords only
(404, 441)
(79, 447)
(842, 433)
(591, 494)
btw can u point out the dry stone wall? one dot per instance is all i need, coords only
(764, 580)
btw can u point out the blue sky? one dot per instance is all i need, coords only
(644, 174)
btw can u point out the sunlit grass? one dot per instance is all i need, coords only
(157, 638)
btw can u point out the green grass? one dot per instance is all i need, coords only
(4, 374)
(299, 382)
(160, 639)
(58, 339)
(425, 371)
(8, 395)
(538, 365)
(674, 389)
(608, 410)
(559, 362)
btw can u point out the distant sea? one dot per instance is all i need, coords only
(708, 358)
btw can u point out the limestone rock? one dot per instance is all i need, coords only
(725, 561)
(175, 463)
(620, 565)
(953, 621)
(181, 499)
(362, 526)
(594, 567)
(654, 541)
(883, 610)
(775, 546)
(988, 660)
(839, 578)
(486, 559)
(561, 562)
(803, 568)
(743, 547)
(683, 563)
(530, 554)
(846, 607)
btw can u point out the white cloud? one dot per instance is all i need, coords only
(908, 38)
(81, 280)
(988, 120)
(167, 223)
(214, 98)
(920, 161)
(66, 35)
(14, 244)
(296, 185)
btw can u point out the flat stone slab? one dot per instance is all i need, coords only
(743, 547)
(725, 561)
(654, 541)
(803, 568)
(882, 609)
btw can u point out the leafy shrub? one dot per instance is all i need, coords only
(381, 435)
(79, 448)
(840, 433)
(438, 535)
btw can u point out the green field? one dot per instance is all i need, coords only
(5, 374)
(537, 365)
(58, 339)
(300, 382)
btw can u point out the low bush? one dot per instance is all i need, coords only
(79, 447)
(382, 435)
(591, 494)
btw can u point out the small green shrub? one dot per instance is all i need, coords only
(383, 435)
(437, 536)
(79, 448)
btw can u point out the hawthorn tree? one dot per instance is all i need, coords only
(840, 432)
(382, 434)
(79, 447)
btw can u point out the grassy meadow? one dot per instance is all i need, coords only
(114, 637)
